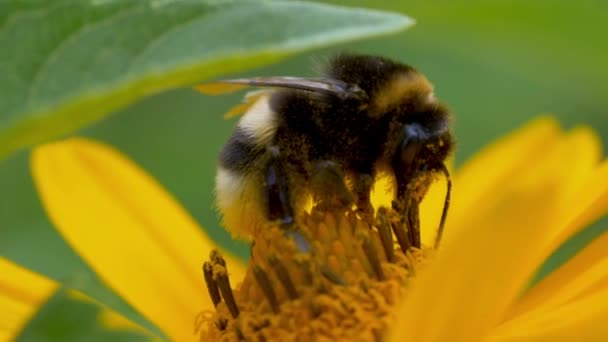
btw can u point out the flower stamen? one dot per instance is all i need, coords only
(400, 230)
(266, 286)
(334, 274)
(214, 292)
(372, 256)
(385, 234)
(221, 324)
(216, 277)
(281, 272)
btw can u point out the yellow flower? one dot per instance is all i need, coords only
(21, 293)
(513, 204)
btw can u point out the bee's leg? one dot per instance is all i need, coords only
(280, 207)
(362, 186)
(412, 217)
(408, 229)
(446, 203)
(406, 163)
(276, 188)
(406, 160)
(328, 186)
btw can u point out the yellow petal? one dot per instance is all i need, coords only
(581, 320)
(112, 320)
(582, 155)
(481, 269)
(22, 292)
(250, 99)
(218, 88)
(569, 161)
(128, 229)
(493, 168)
(582, 273)
(589, 203)
(584, 181)
(476, 275)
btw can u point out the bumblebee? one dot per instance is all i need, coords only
(327, 139)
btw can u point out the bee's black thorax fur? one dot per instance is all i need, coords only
(354, 133)
(310, 142)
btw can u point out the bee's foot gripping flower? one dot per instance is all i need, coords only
(335, 276)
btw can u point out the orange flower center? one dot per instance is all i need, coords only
(335, 276)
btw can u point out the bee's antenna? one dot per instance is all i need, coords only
(446, 203)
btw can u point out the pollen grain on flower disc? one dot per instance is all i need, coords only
(339, 286)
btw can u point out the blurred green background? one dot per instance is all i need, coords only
(496, 63)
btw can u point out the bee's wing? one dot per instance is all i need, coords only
(321, 85)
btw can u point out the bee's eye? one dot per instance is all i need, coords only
(415, 132)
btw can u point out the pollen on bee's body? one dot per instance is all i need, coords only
(342, 286)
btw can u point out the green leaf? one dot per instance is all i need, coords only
(66, 63)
